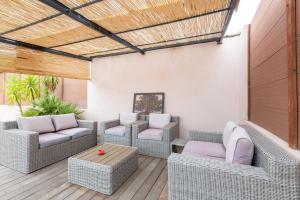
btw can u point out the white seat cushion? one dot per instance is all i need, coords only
(117, 130)
(151, 134)
(229, 128)
(40, 124)
(64, 121)
(49, 139)
(75, 132)
(159, 120)
(127, 118)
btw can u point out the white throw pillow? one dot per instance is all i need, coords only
(40, 124)
(64, 121)
(229, 128)
(159, 120)
(240, 147)
(127, 118)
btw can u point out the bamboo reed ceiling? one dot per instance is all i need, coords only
(145, 24)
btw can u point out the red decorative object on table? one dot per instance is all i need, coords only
(100, 152)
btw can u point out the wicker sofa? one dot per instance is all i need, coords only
(157, 148)
(274, 175)
(21, 150)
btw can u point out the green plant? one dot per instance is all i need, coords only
(50, 83)
(30, 88)
(51, 105)
(14, 92)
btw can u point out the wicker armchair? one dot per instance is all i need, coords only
(273, 175)
(155, 148)
(20, 149)
(125, 129)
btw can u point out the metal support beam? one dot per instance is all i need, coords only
(40, 48)
(161, 47)
(83, 20)
(153, 43)
(233, 4)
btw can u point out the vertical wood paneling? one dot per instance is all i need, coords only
(298, 63)
(270, 70)
(271, 12)
(292, 73)
(298, 17)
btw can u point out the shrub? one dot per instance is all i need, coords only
(51, 105)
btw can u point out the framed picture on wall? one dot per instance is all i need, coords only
(148, 103)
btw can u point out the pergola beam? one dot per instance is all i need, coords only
(153, 43)
(83, 20)
(40, 48)
(161, 47)
(233, 5)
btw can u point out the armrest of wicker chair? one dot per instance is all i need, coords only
(108, 124)
(205, 136)
(5, 125)
(138, 127)
(88, 124)
(171, 131)
(195, 178)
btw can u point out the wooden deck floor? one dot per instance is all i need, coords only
(148, 182)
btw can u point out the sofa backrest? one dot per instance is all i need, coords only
(173, 118)
(276, 161)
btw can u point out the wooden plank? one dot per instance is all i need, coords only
(144, 190)
(16, 176)
(78, 193)
(17, 191)
(67, 192)
(164, 194)
(272, 43)
(292, 73)
(35, 176)
(272, 95)
(275, 121)
(260, 13)
(56, 191)
(249, 73)
(136, 184)
(47, 188)
(271, 16)
(273, 69)
(298, 17)
(159, 185)
(42, 187)
(298, 53)
(88, 195)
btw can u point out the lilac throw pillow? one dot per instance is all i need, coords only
(65, 121)
(240, 148)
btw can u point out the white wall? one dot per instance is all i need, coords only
(203, 84)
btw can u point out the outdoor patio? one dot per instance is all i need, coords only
(149, 99)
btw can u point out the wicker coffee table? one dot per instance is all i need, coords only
(103, 173)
